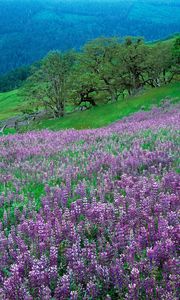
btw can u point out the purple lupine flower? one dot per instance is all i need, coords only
(92, 213)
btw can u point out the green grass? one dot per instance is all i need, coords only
(10, 104)
(106, 114)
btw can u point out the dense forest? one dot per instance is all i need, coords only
(30, 28)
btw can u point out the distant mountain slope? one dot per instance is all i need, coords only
(30, 28)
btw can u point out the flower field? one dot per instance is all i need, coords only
(92, 214)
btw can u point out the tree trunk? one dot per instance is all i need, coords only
(114, 96)
(84, 97)
(93, 102)
(164, 76)
(130, 92)
(137, 82)
(59, 109)
(62, 110)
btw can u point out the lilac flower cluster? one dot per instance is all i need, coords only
(92, 214)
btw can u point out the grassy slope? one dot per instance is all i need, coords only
(10, 104)
(99, 116)
(106, 114)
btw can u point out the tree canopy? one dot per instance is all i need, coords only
(103, 70)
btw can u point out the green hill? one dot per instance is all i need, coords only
(10, 104)
(95, 117)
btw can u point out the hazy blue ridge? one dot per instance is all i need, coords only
(30, 28)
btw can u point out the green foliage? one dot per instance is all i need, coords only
(93, 78)
(47, 87)
(82, 87)
(176, 50)
(107, 69)
(101, 58)
(163, 64)
(106, 114)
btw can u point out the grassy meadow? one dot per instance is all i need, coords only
(10, 104)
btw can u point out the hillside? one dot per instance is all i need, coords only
(112, 79)
(10, 104)
(95, 117)
(39, 26)
(104, 115)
